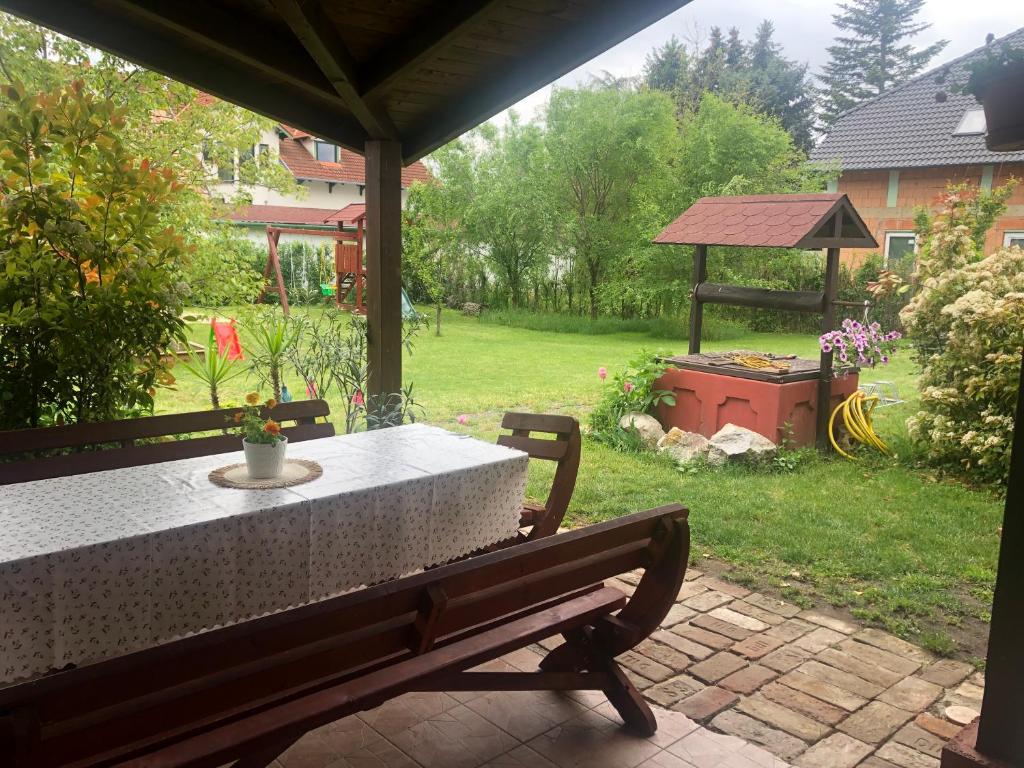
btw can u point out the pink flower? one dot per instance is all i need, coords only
(462, 418)
(602, 373)
(310, 390)
(357, 397)
(628, 387)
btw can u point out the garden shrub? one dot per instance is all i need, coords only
(89, 293)
(967, 323)
(225, 269)
(629, 391)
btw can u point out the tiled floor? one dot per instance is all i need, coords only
(736, 679)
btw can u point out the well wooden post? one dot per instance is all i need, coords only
(383, 267)
(828, 323)
(700, 274)
(1001, 728)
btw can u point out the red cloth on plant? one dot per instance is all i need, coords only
(227, 339)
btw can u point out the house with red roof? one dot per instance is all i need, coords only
(333, 179)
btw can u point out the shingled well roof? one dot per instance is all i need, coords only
(777, 221)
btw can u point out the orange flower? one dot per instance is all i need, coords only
(238, 418)
(272, 427)
(270, 403)
(252, 398)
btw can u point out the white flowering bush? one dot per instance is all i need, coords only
(968, 322)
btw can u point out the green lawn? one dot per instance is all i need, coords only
(891, 543)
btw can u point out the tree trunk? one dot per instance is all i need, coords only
(437, 319)
(275, 380)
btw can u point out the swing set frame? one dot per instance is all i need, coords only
(349, 269)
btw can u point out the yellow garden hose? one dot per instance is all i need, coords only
(856, 411)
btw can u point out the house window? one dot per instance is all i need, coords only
(326, 152)
(226, 172)
(971, 124)
(1013, 238)
(899, 248)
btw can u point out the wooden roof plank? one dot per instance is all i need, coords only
(433, 36)
(173, 54)
(565, 48)
(308, 23)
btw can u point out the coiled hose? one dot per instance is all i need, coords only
(856, 410)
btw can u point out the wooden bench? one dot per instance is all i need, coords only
(247, 692)
(75, 449)
(563, 449)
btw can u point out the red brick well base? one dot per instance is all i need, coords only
(960, 752)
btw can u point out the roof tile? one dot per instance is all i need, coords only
(907, 128)
(759, 220)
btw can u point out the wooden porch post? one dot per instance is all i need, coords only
(828, 323)
(384, 267)
(700, 275)
(1001, 728)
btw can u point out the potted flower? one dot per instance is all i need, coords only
(262, 440)
(858, 344)
(996, 80)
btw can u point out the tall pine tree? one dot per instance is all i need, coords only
(754, 73)
(874, 54)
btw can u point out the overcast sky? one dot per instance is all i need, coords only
(802, 27)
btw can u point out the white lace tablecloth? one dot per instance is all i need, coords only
(97, 565)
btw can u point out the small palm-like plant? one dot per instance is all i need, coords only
(211, 367)
(272, 335)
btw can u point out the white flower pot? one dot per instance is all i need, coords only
(265, 461)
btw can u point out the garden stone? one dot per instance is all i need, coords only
(735, 444)
(648, 427)
(683, 446)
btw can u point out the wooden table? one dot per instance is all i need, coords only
(97, 565)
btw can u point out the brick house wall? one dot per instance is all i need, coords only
(871, 193)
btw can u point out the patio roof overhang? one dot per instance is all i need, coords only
(420, 73)
(392, 82)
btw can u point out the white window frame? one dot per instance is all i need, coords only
(1012, 235)
(897, 233)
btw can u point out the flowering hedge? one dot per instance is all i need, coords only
(968, 320)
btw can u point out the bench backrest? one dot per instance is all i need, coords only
(104, 445)
(127, 704)
(563, 449)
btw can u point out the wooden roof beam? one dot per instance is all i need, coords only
(317, 34)
(433, 35)
(278, 58)
(160, 49)
(605, 25)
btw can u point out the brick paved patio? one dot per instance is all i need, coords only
(739, 680)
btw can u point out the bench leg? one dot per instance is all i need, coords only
(581, 652)
(628, 701)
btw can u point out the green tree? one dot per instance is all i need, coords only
(174, 127)
(89, 300)
(872, 53)
(435, 249)
(667, 67)
(610, 158)
(754, 73)
(508, 214)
